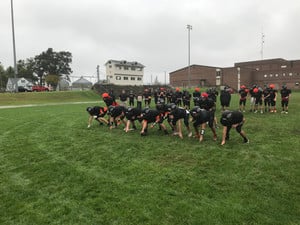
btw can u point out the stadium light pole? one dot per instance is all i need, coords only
(14, 43)
(238, 78)
(189, 27)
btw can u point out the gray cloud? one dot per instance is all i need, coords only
(151, 32)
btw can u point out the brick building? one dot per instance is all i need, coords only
(261, 72)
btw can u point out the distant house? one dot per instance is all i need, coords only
(124, 73)
(12, 83)
(81, 84)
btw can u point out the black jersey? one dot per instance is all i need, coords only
(285, 92)
(212, 93)
(273, 93)
(206, 103)
(230, 118)
(179, 113)
(108, 101)
(266, 93)
(243, 93)
(258, 95)
(251, 92)
(131, 96)
(116, 111)
(196, 94)
(97, 111)
(123, 97)
(200, 116)
(225, 97)
(147, 95)
(132, 113)
(178, 94)
(150, 115)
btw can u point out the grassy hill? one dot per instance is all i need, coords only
(47, 97)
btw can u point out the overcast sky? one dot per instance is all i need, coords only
(152, 32)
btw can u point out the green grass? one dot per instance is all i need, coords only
(53, 170)
(22, 98)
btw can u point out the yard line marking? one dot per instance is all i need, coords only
(45, 104)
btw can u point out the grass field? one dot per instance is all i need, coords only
(53, 170)
(24, 98)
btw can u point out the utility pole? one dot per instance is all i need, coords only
(0, 79)
(189, 27)
(14, 44)
(98, 74)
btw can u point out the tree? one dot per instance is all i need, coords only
(3, 81)
(48, 63)
(52, 63)
(52, 80)
(26, 69)
(4, 75)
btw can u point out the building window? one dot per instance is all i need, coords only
(139, 78)
(265, 75)
(132, 78)
(133, 68)
(291, 74)
(276, 75)
(283, 66)
(118, 78)
(110, 66)
(125, 78)
(271, 75)
(125, 67)
(283, 74)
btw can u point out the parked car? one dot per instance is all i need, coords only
(24, 89)
(39, 88)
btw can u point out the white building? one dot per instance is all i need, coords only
(124, 73)
(19, 82)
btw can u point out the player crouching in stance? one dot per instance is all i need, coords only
(176, 115)
(117, 114)
(151, 116)
(97, 113)
(200, 118)
(233, 119)
(131, 115)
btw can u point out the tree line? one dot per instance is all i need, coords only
(47, 67)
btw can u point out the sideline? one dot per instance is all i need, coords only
(46, 104)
